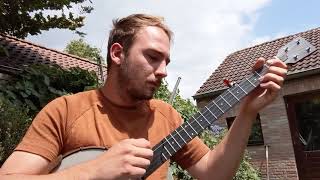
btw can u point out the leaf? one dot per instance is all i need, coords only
(30, 104)
(46, 80)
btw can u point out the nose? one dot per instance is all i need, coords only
(161, 71)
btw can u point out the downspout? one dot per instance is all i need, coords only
(267, 160)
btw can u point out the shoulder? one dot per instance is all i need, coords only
(166, 110)
(161, 106)
(68, 106)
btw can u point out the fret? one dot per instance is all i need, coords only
(218, 106)
(180, 136)
(164, 156)
(250, 82)
(242, 89)
(255, 79)
(257, 74)
(197, 122)
(233, 95)
(167, 150)
(211, 112)
(174, 150)
(192, 128)
(225, 100)
(175, 140)
(204, 117)
(186, 132)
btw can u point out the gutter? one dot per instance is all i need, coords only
(290, 76)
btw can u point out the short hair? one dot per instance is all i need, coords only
(124, 31)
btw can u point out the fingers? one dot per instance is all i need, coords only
(138, 161)
(270, 62)
(137, 157)
(276, 62)
(259, 63)
(271, 85)
(276, 77)
(140, 142)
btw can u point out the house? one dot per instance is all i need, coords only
(22, 53)
(285, 140)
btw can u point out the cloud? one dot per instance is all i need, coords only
(205, 32)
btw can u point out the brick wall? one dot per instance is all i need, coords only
(276, 131)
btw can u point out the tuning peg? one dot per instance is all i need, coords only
(298, 41)
(227, 83)
(286, 49)
(308, 49)
(295, 57)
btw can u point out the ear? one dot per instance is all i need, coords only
(116, 53)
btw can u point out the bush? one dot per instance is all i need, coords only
(245, 171)
(26, 94)
(39, 84)
(14, 121)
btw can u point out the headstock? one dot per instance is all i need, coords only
(295, 50)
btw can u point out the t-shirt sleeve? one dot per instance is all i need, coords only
(191, 153)
(45, 135)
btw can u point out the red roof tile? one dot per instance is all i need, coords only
(237, 65)
(23, 53)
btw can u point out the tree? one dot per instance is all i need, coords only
(82, 49)
(22, 17)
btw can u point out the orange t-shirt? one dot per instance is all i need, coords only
(89, 119)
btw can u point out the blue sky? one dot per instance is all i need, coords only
(206, 31)
(290, 16)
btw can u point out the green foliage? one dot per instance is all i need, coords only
(14, 121)
(82, 49)
(39, 84)
(24, 96)
(184, 106)
(22, 17)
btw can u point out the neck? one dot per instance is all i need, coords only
(117, 95)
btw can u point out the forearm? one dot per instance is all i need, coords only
(76, 172)
(224, 159)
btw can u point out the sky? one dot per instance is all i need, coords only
(205, 31)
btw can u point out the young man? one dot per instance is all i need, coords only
(123, 117)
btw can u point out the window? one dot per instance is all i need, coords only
(308, 118)
(256, 136)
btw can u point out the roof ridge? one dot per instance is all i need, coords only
(50, 49)
(261, 44)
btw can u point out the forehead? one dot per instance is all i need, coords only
(154, 38)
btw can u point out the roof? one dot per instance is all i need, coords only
(237, 65)
(23, 53)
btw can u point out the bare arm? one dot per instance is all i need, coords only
(127, 160)
(223, 161)
(27, 165)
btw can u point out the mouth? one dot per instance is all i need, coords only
(156, 84)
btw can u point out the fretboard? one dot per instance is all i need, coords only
(203, 119)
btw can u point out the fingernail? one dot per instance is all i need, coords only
(260, 79)
(269, 62)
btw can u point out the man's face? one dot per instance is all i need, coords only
(144, 66)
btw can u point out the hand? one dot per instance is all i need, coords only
(126, 160)
(269, 87)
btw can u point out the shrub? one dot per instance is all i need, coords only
(14, 121)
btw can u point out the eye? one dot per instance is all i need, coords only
(153, 57)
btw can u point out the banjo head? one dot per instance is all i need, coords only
(78, 156)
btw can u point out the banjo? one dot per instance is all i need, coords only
(292, 52)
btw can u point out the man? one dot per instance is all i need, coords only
(122, 117)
